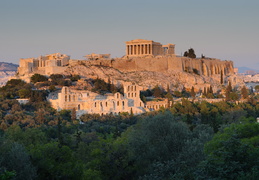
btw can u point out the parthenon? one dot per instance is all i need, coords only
(142, 47)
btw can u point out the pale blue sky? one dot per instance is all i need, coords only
(225, 29)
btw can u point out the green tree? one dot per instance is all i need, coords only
(24, 93)
(15, 158)
(54, 162)
(52, 88)
(157, 91)
(190, 53)
(257, 88)
(38, 78)
(162, 141)
(6, 175)
(177, 94)
(244, 92)
(232, 153)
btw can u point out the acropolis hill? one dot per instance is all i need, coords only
(146, 62)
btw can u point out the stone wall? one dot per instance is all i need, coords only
(206, 67)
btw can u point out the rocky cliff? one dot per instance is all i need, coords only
(148, 79)
(172, 71)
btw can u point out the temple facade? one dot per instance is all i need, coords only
(142, 47)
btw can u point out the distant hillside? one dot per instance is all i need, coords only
(4, 66)
(245, 69)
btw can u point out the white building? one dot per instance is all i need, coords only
(89, 102)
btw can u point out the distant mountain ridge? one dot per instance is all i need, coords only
(7, 70)
(4, 66)
(245, 69)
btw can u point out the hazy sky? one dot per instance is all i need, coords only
(225, 29)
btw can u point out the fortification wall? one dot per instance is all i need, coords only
(207, 67)
(164, 64)
(175, 64)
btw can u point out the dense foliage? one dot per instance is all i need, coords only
(188, 140)
(102, 87)
(190, 53)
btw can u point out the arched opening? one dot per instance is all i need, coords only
(78, 107)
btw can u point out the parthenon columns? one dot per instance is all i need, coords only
(139, 49)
